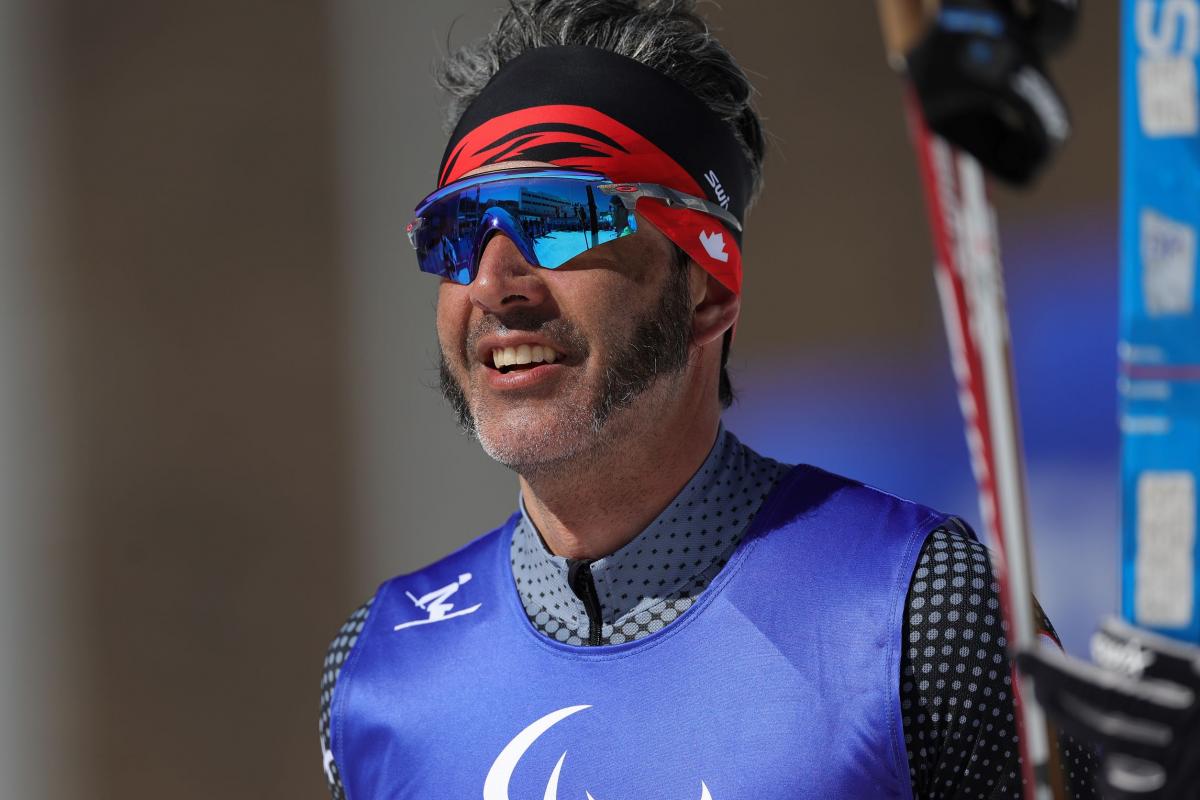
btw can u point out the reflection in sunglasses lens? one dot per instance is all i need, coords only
(556, 219)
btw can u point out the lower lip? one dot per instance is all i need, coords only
(522, 378)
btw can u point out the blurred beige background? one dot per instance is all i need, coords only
(218, 422)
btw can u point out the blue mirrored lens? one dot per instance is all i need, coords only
(445, 235)
(551, 219)
(560, 218)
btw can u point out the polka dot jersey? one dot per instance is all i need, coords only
(954, 683)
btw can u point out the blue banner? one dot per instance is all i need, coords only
(1160, 324)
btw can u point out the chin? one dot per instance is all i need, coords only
(530, 435)
(526, 440)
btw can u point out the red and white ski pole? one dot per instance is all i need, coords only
(970, 284)
(971, 289)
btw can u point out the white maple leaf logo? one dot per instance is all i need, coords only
(714, 245)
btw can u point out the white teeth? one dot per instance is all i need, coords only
(522, 354)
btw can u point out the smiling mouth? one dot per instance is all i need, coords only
(510, 359)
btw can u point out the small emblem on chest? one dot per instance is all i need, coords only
(434, 604)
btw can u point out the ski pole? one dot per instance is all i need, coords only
(968, 275)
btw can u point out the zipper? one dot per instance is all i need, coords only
(579, 578)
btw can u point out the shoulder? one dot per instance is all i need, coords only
(954, 597)
(352, 630)
(835, 544)
(954, 548)
(822, 486)
(829, 506)
(357, 626)
(957, 700)
(955, 683)
(335, 656)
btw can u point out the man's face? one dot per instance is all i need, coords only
(618, 320)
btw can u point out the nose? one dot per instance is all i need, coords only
(505, 280)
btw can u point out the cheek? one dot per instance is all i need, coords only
(608, 299)
(606, 314)
(453, 315)
(595, 298)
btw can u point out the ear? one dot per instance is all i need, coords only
(715, 307)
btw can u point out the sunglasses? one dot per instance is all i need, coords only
(551, 216)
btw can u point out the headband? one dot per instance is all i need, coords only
(588, 108)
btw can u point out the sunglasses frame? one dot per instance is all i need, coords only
(629, 193)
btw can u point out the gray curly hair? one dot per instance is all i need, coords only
(667, 35)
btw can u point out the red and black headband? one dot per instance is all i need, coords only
(588, 108)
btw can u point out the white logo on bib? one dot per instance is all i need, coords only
(495, 786)
(434, 603)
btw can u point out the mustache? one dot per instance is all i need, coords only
(561, 332)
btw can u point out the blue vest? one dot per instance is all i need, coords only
(780, 682)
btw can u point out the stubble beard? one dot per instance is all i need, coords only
(655, 352)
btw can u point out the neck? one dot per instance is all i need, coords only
(597, 503)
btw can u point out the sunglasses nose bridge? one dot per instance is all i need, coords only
(497, 221)
(504, 278)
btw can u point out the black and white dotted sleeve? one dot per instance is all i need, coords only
(956, 686)
(335, 656)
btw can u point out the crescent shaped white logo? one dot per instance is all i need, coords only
(495, 786)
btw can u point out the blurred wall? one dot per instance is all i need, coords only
(37, 675)
(421, 488)
(204, 326)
